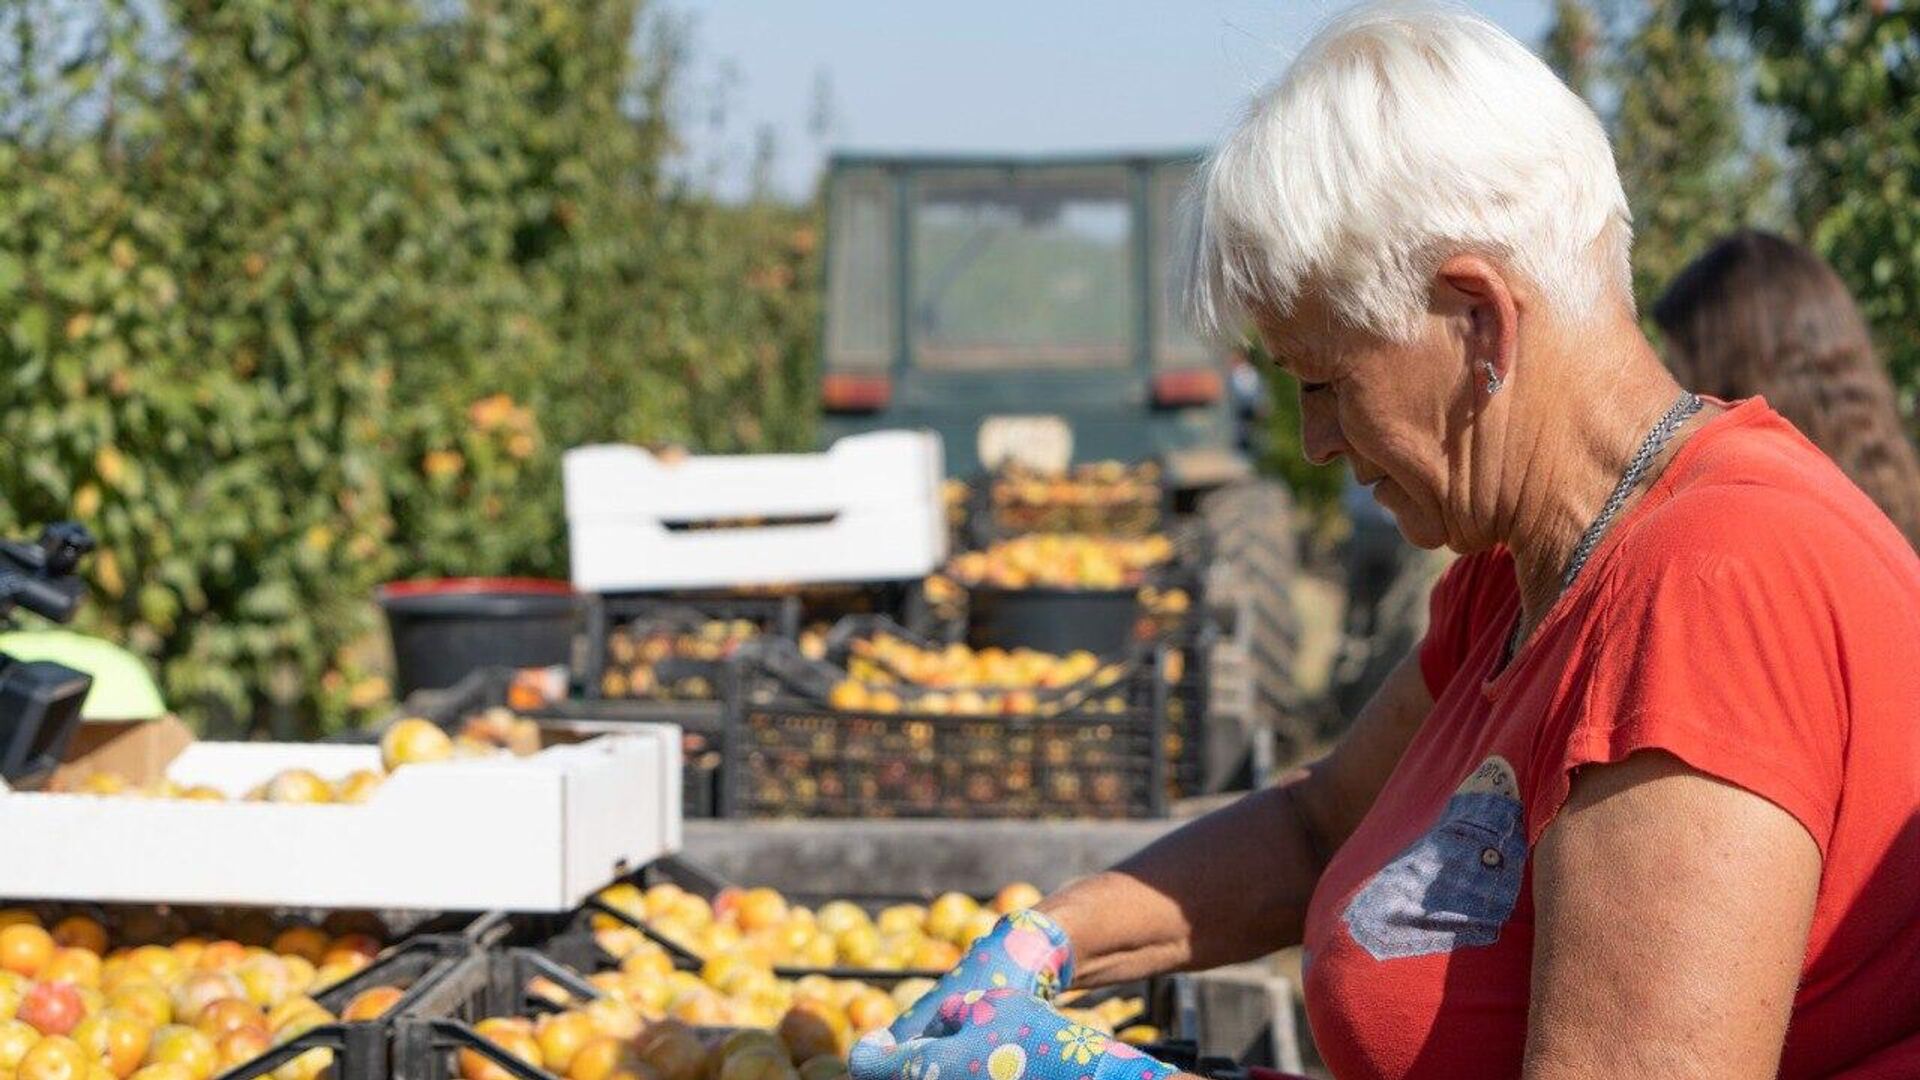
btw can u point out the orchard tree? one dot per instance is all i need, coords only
(1844, 77)
(1679, 134)
(1670, 94)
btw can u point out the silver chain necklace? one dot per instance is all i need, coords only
(1662, 433)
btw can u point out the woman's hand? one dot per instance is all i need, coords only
(1025, 952)
(1001, 1034)
(1234, 885)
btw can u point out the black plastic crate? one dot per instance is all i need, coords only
(424, 1048)
(567, 938)
(610, 616)
(1052, 620)
(1003, 503)
(1056, 620)
(1188, 636)
(1062, 618)
(436, 970)
(702, 726)
(815, 680)
(425, 1041)
(788, 757)
(1190, 632)
(1187, 714)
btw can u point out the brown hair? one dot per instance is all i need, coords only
(1760, 315)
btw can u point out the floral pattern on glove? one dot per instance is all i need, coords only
(1025, 952)
(1001, 1035)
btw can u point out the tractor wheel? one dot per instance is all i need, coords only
(1254, 548)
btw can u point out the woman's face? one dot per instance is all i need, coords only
(1398, 413)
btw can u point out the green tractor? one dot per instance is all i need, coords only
(1028, 309)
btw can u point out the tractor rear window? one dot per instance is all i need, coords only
(860, 273)
(1022, 270)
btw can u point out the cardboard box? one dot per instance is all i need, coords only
(538, 833)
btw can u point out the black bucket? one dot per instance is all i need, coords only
(443, 630)
(1100, 621)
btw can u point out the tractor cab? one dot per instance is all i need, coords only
(1021, 308)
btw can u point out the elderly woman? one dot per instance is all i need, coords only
(1646, 801)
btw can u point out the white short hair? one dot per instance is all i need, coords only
(1405, 133)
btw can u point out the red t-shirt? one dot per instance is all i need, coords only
(1756, 616)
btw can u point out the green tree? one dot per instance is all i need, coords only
(1574, 44)
(1844, 77)
(1679, 139)
(296, 298)
(1668, 89)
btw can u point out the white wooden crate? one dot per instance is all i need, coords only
(871, 506)
(539, 833)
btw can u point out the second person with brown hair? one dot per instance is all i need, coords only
(1758, 315)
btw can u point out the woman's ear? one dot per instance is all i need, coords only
(1478, 292)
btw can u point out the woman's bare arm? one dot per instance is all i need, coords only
(1234, 885)
(1671, 916)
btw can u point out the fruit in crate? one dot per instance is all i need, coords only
(1108, 497)
(1098, 483)
(604, 1057)
(813, 641)
(51, 1008)
(413, 741)
(242, 1046)
(1063, 561)
(664, 1050)
(884, 658)
(512, 1034)
(636, 652)
(672, 1051)
(181, 1011)
(499, 728)
(1087, 685)
(25, 948)
(745, 933)
(357, 786)
(54, 1057)
(783, 1030)
(371, 1003)
(16, 1038)
(563, 1036)
(1170, 604)
(296, 786)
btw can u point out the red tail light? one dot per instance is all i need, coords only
(856, 393)
(1193, 386)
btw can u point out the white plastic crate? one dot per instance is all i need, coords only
(539, 833)
(868, 509)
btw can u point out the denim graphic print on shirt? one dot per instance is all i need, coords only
(1456, 885)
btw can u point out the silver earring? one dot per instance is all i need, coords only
(1494, 381)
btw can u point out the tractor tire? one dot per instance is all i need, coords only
(1254, 558)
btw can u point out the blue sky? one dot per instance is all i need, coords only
(1009, 75)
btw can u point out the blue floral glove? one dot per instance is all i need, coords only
(1025, 951)
(1001, 1035)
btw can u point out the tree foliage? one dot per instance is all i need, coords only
(1573, 45)
(1670, 93)
(296, 298)
(1679, 136)
(1687, 85)
(1844, 78)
